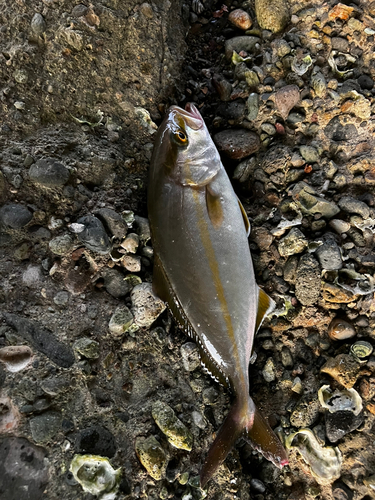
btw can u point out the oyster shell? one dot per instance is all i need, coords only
(345, 400)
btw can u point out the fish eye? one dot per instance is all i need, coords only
(181, 138)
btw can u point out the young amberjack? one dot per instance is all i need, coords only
(203, 270)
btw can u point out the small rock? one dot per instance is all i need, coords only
(93, 235)
(87, 347)
(339, 329)
(131, 243)
(329, 255)
(343, 368)
(210, 395)
(340, 423)
(45, 426)
(294, 242)
(319, 84)
(15, 216)
(310, 204)
(252, 104)
(61, 298)
(177, 433)
(115, 223)
(272, 15)
(237, 143)
(32, 277)
(190, 356)
(96, 440)
(286, 98)
(262, 237)
(49, 173)
(336, 294)
(268, 371)
(152, 457)
(9, 416)
(198, 420)
(146, 306)
(241, 43)
(240, 19)
(16, 358)
(79, 10)
(143, 229)
(366, 82)
(308, 280)
(309, 154)
(61, 245)
(257, 486)
(21, 76)
(121, 321)
(222, 87)
(353, 206)
(290, 269)
(54, 385)
(306, 413)
(38, 24)
(115, 283)
(132, 263)
(339, 226)
(268, 128)
(286, 358)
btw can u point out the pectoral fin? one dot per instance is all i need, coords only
(265, 306)
(214, 208)
(245, 218)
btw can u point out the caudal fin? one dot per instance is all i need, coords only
(243, 419)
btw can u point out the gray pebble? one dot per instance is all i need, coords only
(45, 426)
(61, 245)
(268, 128)
(38, 24)
(294, 242)
(32, 276)
(49, 173)
(246, 43)
(115, 283)
(121, 320)
(146, 306)
(143, 229)
(190, 356)
(115, 223)
(87, 347)
(257, 485)
(21, 76)
(286, 358)
(268, 371)
(15, 216)
(352, 206)
(210, 396)
(329, 255)
(28, 161)
(252, 106)
(61, 298)
(309, 154)
(93, 235)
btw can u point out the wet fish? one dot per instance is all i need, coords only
(203, 270)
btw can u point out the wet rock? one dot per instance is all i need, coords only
(329, 255)
(121, 321)
(311, 204)
(114, 222)
(340, 423)
(177, 433)
(152, 457)
(339, 329)
(115, 283)
(87, 347)
(41, 339)
(305, 413)
(146, 306)
(49, 173)
(343, 368)
(9, 416)
(45, 426)
(294, 242)
(23, 469)
(240, 19)
(131, 243)
(237, 144)
(286, 98)
(190, 356)
(15, 216)
(38, 24)
(309, 154)
(96, 475)
(61, 245)
(272, 15)
(354, 206)
(15, 358)
(241, 43)
(93, 235)
(96, 440)
(308, 280)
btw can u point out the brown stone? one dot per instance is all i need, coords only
(237, 143)
(337, 295)
(343, 368)
(240, 19)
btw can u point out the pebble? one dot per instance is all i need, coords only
(49, 173)
(21, 76)
(146, 306)
(152, 457)
(339, 225)
(222, 87)
(24, 469)
(319, 84)
(272, 15)
(262, 237)
(237, 143)
(329, 255)
(268, 371)
(366, 82)
(121, 321)
(294, 242)
(257, 486)
(61, 245)
(343, 368)
(268, 128)
(38, 24)
(15, 216)
(340, 423)
(210, 395)
(177, 433)
(131, 243)
(308, 280)
(87, 347)
(309, 154)
(240, 19)
(61, 298)
(354, 206)
(286, 98)
(114, 222)
(143, 229)
(305, 413)
(96, 440)
(310, 204)
(33, 276)
(290, 269)
(16, 358)
(340, 329)
(54, 385)
(93, 235)
(115, 283)
(190, 356)
(199, 420)
(9, 416)
(252, 104)
(241, 43)
(42, 339)
(286, 358)
(45, 426)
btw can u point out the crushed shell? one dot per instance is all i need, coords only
(345, 400)
(361, 349)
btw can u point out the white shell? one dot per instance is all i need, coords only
(345, 400)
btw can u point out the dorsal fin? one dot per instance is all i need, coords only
(163, 289)
(265, 306)
(214, 208)
(245, 218)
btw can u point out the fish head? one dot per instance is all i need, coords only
(184, 150)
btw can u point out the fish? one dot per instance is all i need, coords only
(203, 270)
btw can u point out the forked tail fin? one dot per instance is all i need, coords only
(243, 419)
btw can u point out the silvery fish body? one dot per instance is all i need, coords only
(203, 270)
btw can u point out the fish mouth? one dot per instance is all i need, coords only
(190, 115)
